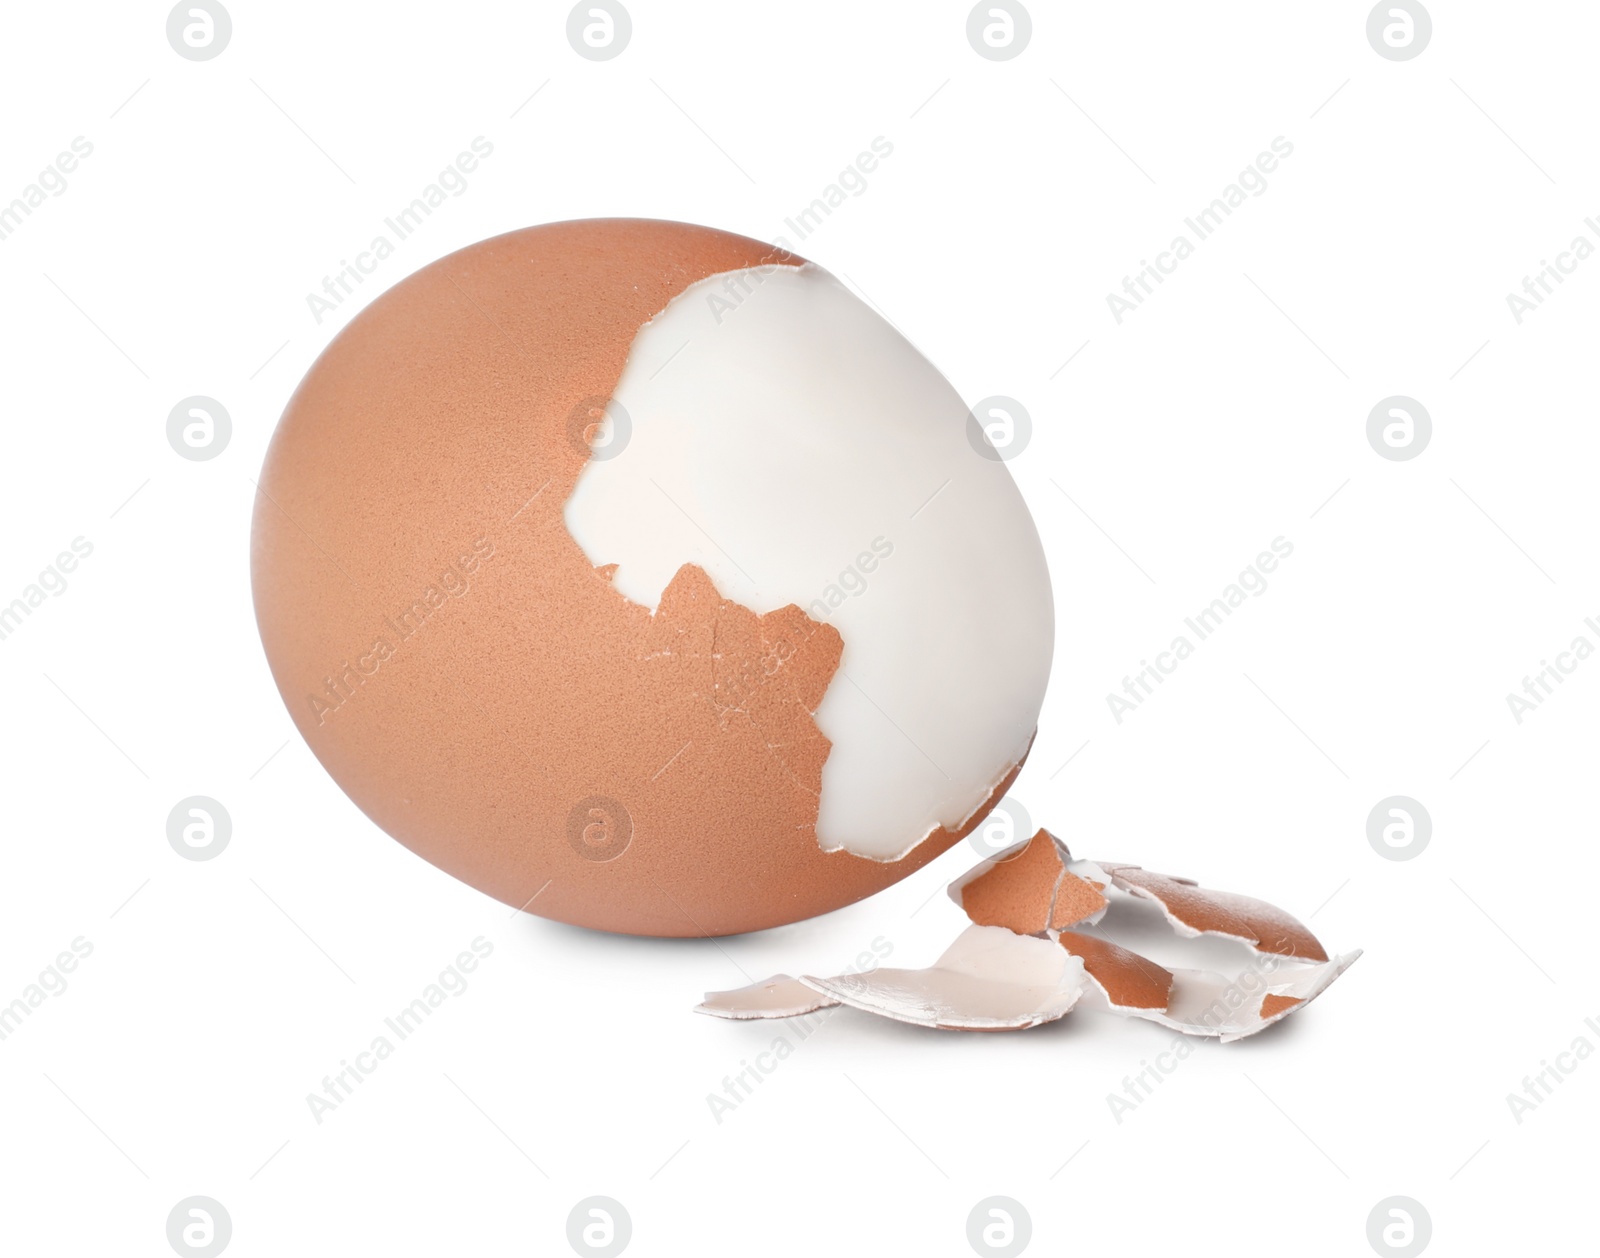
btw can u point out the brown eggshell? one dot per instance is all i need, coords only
(463, 672)
(1028, 889)
(1263, 926)
(1128, 980)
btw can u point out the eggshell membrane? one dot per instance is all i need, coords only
(438, 427)
(780, 996)
(989, 979)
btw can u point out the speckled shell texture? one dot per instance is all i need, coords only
(463, 672)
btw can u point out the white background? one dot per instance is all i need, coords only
(1222, 414)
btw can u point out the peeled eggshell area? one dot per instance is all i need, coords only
(789, 443)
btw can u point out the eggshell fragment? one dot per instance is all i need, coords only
(777, 997)
(989, 979)
(1028, 888)
(1211, 1004)
(997, 975)
(1076, 901)
(1195, 911)
(1125, 980)
(1204, 1002)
